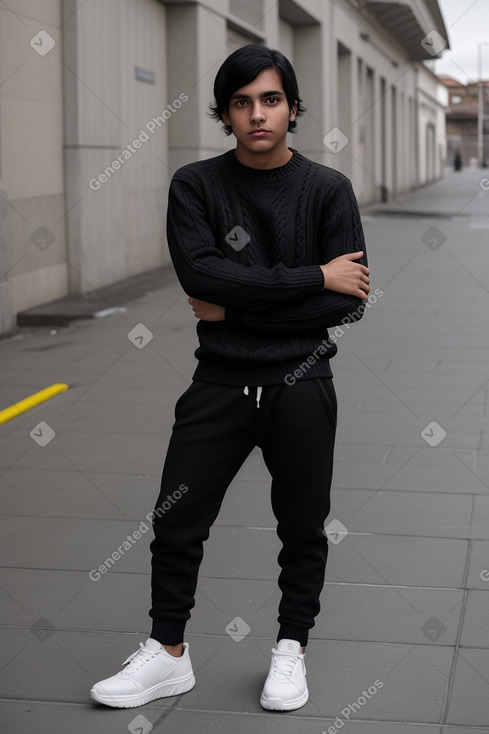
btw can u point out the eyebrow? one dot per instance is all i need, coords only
(273, 93)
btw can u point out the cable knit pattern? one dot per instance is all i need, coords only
(252, 241)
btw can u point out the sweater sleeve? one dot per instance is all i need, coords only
(340, 232)
(204, 271)
(317, 312)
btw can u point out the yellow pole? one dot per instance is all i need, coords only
(39, 397)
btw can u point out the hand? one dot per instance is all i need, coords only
(343, 275)
(207, 311)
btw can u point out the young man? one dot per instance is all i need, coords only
(269, 247)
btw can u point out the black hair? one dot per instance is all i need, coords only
(241, 68)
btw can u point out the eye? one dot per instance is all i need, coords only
(241, 102)
(273, 100)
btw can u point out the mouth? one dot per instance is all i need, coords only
(260, 133)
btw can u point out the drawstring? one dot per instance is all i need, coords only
(259, 391)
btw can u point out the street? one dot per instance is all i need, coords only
(401, 644)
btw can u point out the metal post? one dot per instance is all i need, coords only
(480, 153)
(480, 113)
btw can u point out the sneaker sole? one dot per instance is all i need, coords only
(162, 690)
(276, 704)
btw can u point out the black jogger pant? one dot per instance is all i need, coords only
(216, 428)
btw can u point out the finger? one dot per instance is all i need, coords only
(359, 293)
(364, 287)
(362, 276)
(354, 255)
(361, 268)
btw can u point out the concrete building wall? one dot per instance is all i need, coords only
(33, 240)
(115, 208)
(462, 121)
(92, 129)
(431, 128)
(145, 178)
(94, 119)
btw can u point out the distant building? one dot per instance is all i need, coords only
(462, 120)
(102, 101)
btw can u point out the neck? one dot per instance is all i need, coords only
(274, 158)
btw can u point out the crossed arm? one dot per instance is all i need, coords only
(287, 299)
(341, 275)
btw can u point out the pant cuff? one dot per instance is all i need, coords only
(287, 632)
(167, 632)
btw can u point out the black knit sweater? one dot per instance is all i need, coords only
(252, 241)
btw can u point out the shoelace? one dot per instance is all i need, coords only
(138, 659)
(283, 665)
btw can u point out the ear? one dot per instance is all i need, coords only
(293, 112)
(225, 118)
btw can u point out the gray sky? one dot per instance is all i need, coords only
(467, 23)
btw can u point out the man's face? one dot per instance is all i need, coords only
(259, 113)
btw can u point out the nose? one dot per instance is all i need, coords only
(257, 113)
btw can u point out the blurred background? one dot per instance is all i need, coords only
(102, 101)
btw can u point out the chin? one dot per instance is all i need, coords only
(258, 145)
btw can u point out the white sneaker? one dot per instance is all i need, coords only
(151, 673)
(285, 688)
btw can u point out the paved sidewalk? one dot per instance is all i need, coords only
(401, 645)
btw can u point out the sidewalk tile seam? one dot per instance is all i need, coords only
(273, 579)
(252, 579)
(461, 621)
(224, 638)
(224, 712)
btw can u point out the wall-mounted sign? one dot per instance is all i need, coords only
(145, 75)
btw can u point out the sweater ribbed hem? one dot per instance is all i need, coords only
(167, 632)
(288, 632)
(227, 372)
